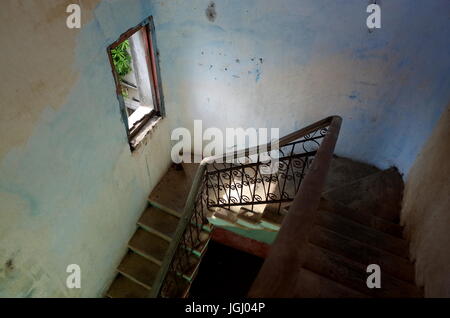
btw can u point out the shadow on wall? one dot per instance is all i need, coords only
(426, 211)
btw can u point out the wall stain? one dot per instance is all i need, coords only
(258, 75)
(9, 265)
(211, 13)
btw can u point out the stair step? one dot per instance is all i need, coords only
(354, 276)
(362, 233)
(362, 217)
(248, 218)
(225, 214)
(173, 189)
(123, 287)
(160, 221)
(274, 214)
(149, 245)
(379, 194)
(317, 286)
(313, 285)
(343, 171)
(139, 268)
(387, 227)
(190, 267)
(364, 254)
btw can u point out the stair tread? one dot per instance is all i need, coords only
(274, 213)
(139, 268)
(380, 194)
(362, 217)
(191, 266)
(363, 233)
(344, 170)
(225, 214)
(249, 216)
(387, 227)
(308, 284)
(149, 244)
(174, 187)
(314, 285)
(353, 275)
(160, 221)
(362, 253)
(123, 287)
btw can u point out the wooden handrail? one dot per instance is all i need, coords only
(329, 141)
(277, 277)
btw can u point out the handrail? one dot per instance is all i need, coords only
(282, 142)
(333, 121)
(286, 256)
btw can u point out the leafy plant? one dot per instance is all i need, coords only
(122, 59)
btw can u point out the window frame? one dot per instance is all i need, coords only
(152, 58)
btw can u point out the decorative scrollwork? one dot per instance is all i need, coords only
(241, 183)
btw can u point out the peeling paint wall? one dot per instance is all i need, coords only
(426, 212)
(70, 189)
(288, 63)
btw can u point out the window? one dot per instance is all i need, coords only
(134, 62)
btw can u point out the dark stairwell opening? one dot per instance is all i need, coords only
(225, 272)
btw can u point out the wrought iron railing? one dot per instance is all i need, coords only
(260, 175)
(256, 182)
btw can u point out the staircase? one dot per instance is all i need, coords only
(344, 218)
(357, 224)
(156, 228)
(334, 217)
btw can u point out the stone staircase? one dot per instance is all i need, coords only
(155, 229)
(357, 224)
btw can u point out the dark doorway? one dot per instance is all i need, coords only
(225, 272)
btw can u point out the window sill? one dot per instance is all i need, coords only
(137, 140)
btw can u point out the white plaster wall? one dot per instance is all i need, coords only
(70, 189)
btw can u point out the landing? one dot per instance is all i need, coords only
(173, 189)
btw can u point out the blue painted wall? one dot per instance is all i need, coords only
(71, 191)
(288, 63)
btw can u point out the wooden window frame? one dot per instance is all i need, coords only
(152, 57)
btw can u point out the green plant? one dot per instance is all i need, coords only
(122, 59)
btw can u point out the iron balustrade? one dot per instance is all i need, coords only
(260, 175)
